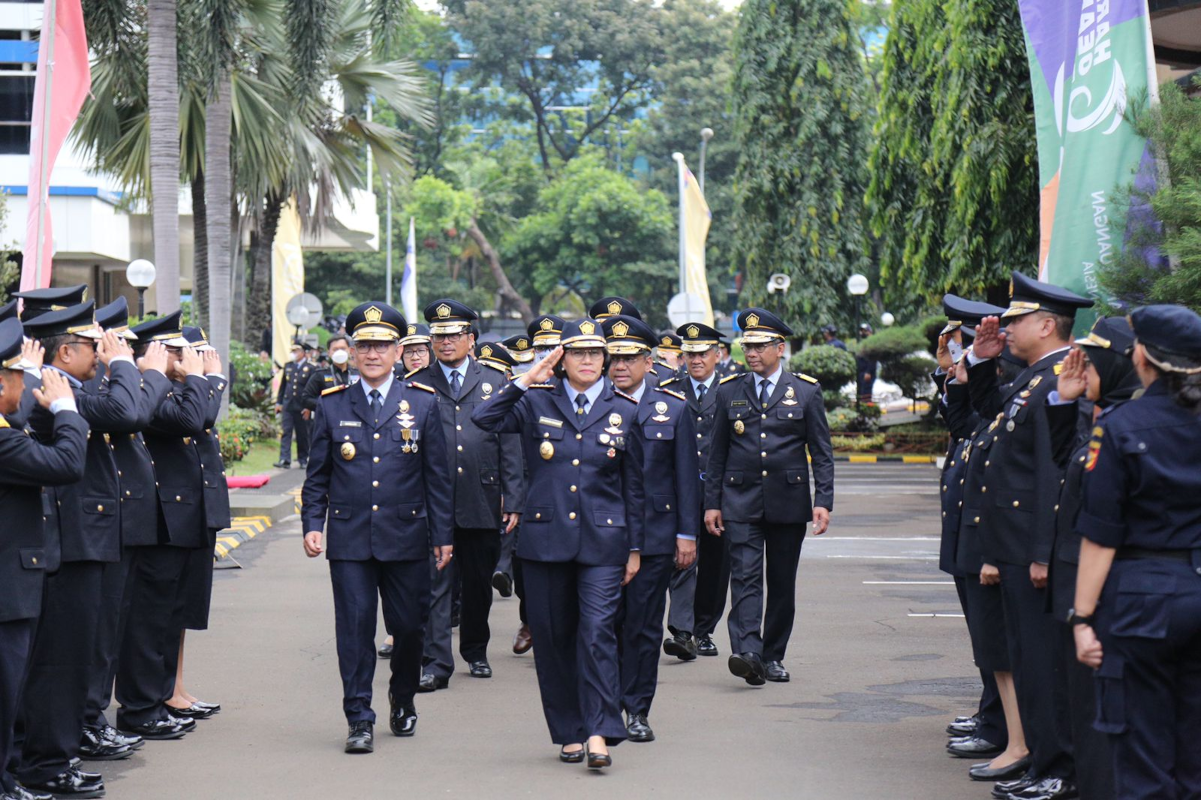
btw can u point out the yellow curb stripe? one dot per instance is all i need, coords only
(861, 459)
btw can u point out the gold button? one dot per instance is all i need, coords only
(460, 470)
(546, 435)
(669, 506)
(944, 488)
(1081, 458)
(374, 435)
(574, 488)
(35, 561)
(579, 436)
(976, 520)
(763, 454)
(414, 512)
(375, 484)
(961, 504)
(1056, 509)
(944, 513)
(986, 463)
(764, 416)
(571, 515)
(99, 508)
(659, 435)
(459, 447)
(375, 459)
(375, 508)
(458, 409)
(608, 522)
(575, 462)
(458, 427)
(1016, 504)
(698, 419)
(178, 498)
(119, 473)
(127, 493)
(765, 473)
(346, 438)
(984, 489)
(538, 515)
(698, 436)
(763, 436)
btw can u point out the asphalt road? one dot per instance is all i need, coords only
(879, 659)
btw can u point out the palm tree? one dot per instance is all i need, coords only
(162, 93)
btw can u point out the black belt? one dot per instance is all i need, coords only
(1139, 553)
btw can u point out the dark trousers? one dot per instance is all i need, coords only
(110, 629)
(990, 714)
(511, 566)
(16, 646)
(476, 553)
(1031, 633)
(1090, 747)
(150, 647)
(404, 588)
(292, 421)
(573, 615)
(754, 546)
(1149, 684)
(51, 717)
(640, 631)
(712, 581)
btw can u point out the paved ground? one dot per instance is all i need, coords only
(879, 659)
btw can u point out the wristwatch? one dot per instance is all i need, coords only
(1076, 619)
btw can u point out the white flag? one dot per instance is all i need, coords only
(408, 281)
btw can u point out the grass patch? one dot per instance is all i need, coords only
(259, 458)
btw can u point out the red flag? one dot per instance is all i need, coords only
(64, 78)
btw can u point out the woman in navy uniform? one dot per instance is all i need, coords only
(581, 533)
(379, 475)
(1137, 618)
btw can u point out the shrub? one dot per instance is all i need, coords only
(835, 368)
(892, 343)
(861, 443)
(252, 389)
(912, 374)
(240, 428)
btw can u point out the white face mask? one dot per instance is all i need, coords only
(339, 357)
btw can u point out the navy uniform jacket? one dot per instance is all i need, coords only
(585, 475)
(961, 423)
(669, 470)
(704, 413)
(485, 467)
(25, 466)
(170, 438)
(88, 515)
(291, 387)
(761, 474)
(135, 468)
(1021, 479)
(1141, 478)
(381, 502)
(322, 379)
(212, 468)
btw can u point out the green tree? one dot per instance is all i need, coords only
(1173, 228)
(800, 132)
(10, 274)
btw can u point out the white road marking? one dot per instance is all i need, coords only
(909, 583)
(876, 539)
(890, 558)
(958, 616)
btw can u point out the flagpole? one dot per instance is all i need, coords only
(388, 259)
(48, 25)
(679, 159)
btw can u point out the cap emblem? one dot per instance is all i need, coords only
(443, 311)
(693, 331)
(547, 325)
(522, 344)
(486, 351)
(752, 321)
(620, 330)
(412, 331)
(587, 328)
(665, 341)
(373, 315)
(615, 307)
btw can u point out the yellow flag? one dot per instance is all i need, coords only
(694, 229)
(287, 280)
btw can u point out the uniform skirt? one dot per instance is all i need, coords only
(197, 586)
(986, 625)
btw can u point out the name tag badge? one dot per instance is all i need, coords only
(738, 403)
(554, 423)
(348, 423)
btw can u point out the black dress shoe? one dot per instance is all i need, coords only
(432, 683)
(192, 712)
(963, 726)
(638, 729)
(110, 734)
(1047, 789)
(1002, 790)
(385, 651)
(974, 747)
(982, 772)
(682, 646)
(214, 707)
(304, 463)
(454, 619)
(706, 647)
(571, 758)
(403, 720)
(502, 583)
(93, 747)
(282, 464)
(70, 783)
(598, 760)
(19, 792)
(749, 667)
(188, 725)
(776, 672)
(360, 738)
(480, 669)
(158, 729)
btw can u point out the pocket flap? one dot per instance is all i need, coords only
(733, 479)
(347, 434)
(489, 477)
(797, 476)
(609, 519)
(33, 558)
(538, 514)
(790, 412)
(339, 512)
(411, 510)
(659, 433)
(738, 413)
(1147, 583)
(547, 432)
(662, 503)
(98, 506)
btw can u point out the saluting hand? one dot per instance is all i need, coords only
(111, 346)
(1072, 380)
(544, 370)
(155, 358)
(212, 362)
(54, 387)
(33, 352)
(944, 352)
(190, 362)
(312, 544)
(990, 339)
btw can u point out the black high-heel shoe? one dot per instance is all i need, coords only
(598, 760)
(571, 758)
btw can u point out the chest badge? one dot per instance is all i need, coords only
(347, 450)
(739, 427)
(615, 420)
(661, 412)
(604, 438)
(790, 397)
(487, 387)
(1037, 380)
(612, 453)
(546, 450)
(404, 406)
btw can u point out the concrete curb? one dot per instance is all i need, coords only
(240, 531)
(853, 459)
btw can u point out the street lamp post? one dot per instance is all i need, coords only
(857, 285)
(706, 135)
(140, 274)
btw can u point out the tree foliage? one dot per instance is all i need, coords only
(800, 130)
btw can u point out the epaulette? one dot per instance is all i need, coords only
(669, 380)
(1059, 368)
(541, 386)
(491, 365)
(620, 393)
(4, 423)
(412, 372)
(805, 377)
(676, 395)
(335, 389)
(730, 378)
(422, 387)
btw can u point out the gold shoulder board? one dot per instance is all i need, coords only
(805, 377)
(676, 395)
(620, 393)
(422, 387)
(669, 380)
(412, 372)
(334, 389)
(493, 365)
(4, 423)
(731, 378)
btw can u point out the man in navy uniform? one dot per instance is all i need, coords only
(668, 356)
(26, 465)
(380, 476)
(36, 302)
(488, 491)
(521, 347)
(671, 513)
(340, 371)
(546, 331)
(698, 594)
(1021, 481)
(757, 491)
(289, 403)
(88, 530)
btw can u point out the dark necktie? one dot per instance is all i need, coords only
(376, 403)
(700, 392)
(455, 383)
(764, 392)
(581, 402)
